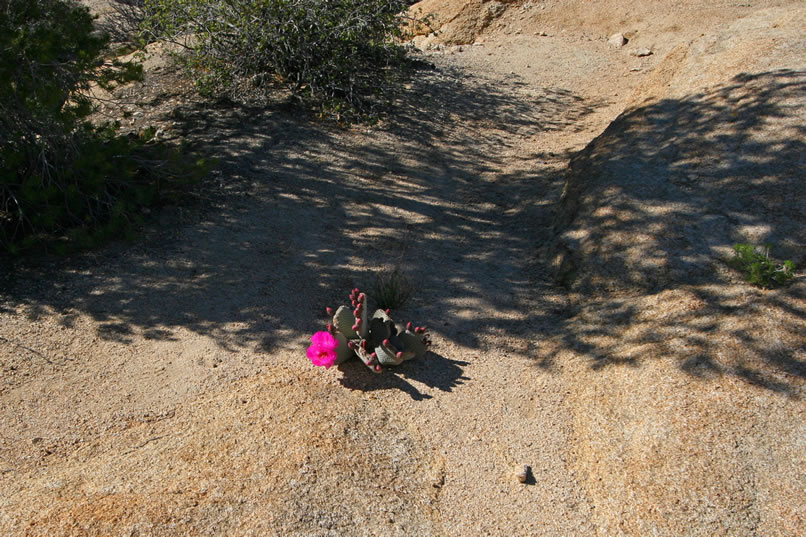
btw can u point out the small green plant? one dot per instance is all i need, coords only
(377, 341)
(392, 289)
(758, 268)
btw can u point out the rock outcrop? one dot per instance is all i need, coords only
(708, 153)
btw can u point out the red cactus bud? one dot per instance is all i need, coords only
(419, 330)
(364, 344)
(358, 322)
(408, 326)
(356, 290)
(378, 368)
(386, 342)
(329, 310)
(357, 312)
(354, 303)
(355, 328)
(399, 355)
(388, 311)
(350, 345)
(330, 327)
(362, 297)
(374, 355)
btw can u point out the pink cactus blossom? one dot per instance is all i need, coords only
(323, 350)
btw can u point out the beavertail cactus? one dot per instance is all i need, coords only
(376, 340)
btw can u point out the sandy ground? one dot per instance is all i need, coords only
(162, 388)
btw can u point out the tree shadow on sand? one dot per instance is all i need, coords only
(299, 212)
(651, 211)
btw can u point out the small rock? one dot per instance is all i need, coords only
(617, 40)
(423, 43)
(640, 52)
(523, 473)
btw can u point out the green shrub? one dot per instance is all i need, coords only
(757, 267)
(344, 56)
(124, 20)
(64, 182)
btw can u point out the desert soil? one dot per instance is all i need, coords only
(565, 209)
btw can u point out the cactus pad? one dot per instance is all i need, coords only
(375, 340)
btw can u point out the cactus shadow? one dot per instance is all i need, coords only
(433, 370)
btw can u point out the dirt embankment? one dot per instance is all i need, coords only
(698, 379)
